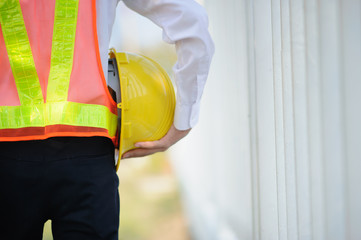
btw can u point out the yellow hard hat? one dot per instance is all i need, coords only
(146, 101)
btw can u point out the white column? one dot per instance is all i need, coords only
(277, 152)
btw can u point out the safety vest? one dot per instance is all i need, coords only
(51, 77)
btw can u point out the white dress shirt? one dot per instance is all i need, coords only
(185, 24)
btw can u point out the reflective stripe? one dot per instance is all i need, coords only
(65, 21)
(19, 52)
(65, 113)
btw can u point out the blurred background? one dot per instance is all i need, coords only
(276, 153)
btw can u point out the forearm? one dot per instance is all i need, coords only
(185, 24)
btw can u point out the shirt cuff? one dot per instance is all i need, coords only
(186, 116)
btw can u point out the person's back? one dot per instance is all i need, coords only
(58, 120)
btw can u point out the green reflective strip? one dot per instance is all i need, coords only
(19, 52)
(64, 113)
(66, 16)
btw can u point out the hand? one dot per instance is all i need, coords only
(150, 147)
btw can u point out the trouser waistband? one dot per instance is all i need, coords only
(56, 148)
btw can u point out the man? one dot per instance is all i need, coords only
(56, 150)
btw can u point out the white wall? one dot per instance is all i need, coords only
(276, 154)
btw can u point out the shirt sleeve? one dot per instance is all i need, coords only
(185, 24)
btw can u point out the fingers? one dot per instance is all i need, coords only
(152, 144)
(150, 147)
(172, 136)
(146, 148)
(140, 152)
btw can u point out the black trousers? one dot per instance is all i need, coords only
(70, 180)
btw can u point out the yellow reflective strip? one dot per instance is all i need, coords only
(21, 116)
(66, 16)
(80, 114)
(64, 113)
(19, 52)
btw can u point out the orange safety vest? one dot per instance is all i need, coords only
(51, 77)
